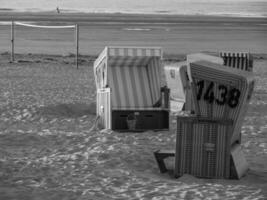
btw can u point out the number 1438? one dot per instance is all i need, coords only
(225, 96)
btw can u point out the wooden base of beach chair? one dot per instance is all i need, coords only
(238, 163)
(160, 155)
(145, 120)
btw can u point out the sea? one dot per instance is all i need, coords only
(238, 8)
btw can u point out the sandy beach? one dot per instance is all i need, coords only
(47, 108)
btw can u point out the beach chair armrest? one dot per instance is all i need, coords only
(165, 97)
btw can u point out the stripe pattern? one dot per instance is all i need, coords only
(243, 61)
(129, 87)
(154, 76)
(202, 148)
(134, 76)
(134, 51)
(189, 104)
(231, 78)
(131, 77)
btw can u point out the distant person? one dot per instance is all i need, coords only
(58, 11)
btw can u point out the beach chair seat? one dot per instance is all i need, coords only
(133, 77)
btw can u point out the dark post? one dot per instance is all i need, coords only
(12, 41)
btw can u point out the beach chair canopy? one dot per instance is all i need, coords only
(132, 73)
(190, 58)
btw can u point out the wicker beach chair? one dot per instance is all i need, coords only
(238, 60)
(221, 93)
(207, 143)
(129, 92)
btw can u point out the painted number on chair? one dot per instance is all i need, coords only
(230, 97)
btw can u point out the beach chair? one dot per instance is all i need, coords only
(130, 96)
(177, 81)
(240, 60)
(207, 143)
(212, 86)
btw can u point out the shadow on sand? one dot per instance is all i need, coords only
(69, 110)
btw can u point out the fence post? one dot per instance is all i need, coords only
(12, 41)
(77, 44)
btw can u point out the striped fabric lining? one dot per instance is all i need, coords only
(243, 61)
(154, 77)
(120, 51)
(129, 87)
(121, 61)
(135, 82)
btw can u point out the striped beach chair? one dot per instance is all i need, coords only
(208, 143)
(240, 60)
(221, 92)
(237, 60)
(129, 92)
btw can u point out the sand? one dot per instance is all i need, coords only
(47, 151)
(47, 109)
